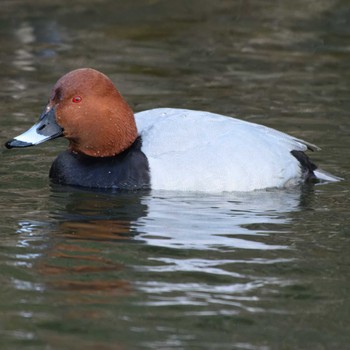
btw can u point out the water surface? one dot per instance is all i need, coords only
(171, 270)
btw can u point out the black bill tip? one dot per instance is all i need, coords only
(17, 144)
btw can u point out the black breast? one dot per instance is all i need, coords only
(126, 171)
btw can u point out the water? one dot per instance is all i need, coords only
(166, 270)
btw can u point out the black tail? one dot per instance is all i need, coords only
(306, 165)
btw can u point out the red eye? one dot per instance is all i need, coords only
(76, 99)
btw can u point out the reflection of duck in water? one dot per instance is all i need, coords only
(95, 214)
(91, 231)
(167, 149)
(229, 221)
(82, 254)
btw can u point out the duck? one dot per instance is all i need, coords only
(111, 147)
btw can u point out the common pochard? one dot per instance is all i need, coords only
(162, 148)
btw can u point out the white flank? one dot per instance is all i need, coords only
(201, 151)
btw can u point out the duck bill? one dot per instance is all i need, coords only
(45, 129)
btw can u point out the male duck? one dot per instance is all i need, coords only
(163, 148)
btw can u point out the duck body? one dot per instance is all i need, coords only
(201, 151)
(163, 148)
(186, 150)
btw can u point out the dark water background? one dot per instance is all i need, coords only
(266, 270)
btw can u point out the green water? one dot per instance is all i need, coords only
(168, 270)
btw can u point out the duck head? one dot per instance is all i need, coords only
(87, 109)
